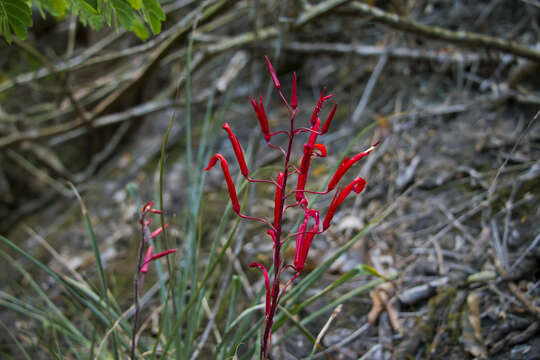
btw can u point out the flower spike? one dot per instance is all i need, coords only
(346, 165)
(266, 284)
(357, 185)
(228, 180)
(237, 150)
(273, 73)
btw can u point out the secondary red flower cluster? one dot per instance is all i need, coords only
(145, 221)
(310, 225)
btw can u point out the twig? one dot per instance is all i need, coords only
(54, 253)
(393, 52)
(455, 37)
(344, 342)
(534, 310)
(38, 173)
(325, 328)
(526, 252)
(369, 88)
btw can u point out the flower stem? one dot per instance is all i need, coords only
(136, 291)
(269, 320)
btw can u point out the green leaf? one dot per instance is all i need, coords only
(153, 14)
(136, 4)
(91, 4)
(14, 14)
(54, 7)
(87, 14)
(140, 29)
(124, 13)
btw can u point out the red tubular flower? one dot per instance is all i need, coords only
(318, 107)
(144, 267)
(158, 231)
(357, 185)
(261, 116)
(346, 165)
(277, 198)
(306, 160)
(328, 121)
(273, 73)
(304, 239)
(228, 179)
(149, 257)
(266, 284)
(237, 150)
(294, 99)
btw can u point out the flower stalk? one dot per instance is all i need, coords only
(310, 225)
(142, 265)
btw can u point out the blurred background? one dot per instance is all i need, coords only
(451, 89)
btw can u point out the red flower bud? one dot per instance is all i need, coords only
(357, 185)
(318, 107)
(261, 116)
(329, 120)
(158, 231)
(273, 74)
(228, 179)
(237, 150)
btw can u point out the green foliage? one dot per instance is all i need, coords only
(15, 15)
(133, 15)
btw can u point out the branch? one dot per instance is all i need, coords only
(456, 37)
(393, 52)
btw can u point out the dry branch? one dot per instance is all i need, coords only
(393, 52)
(455, 37)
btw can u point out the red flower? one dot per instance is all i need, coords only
(306, 160)
(158, 231)
(237, 150)
(266, 284)
(328, 121)
(273, 73)
(261, 116)
(304, 239)
(346, 165)
(228, 179)
(357, 185)
(277, 197)
(149, 257)
(318, 107)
